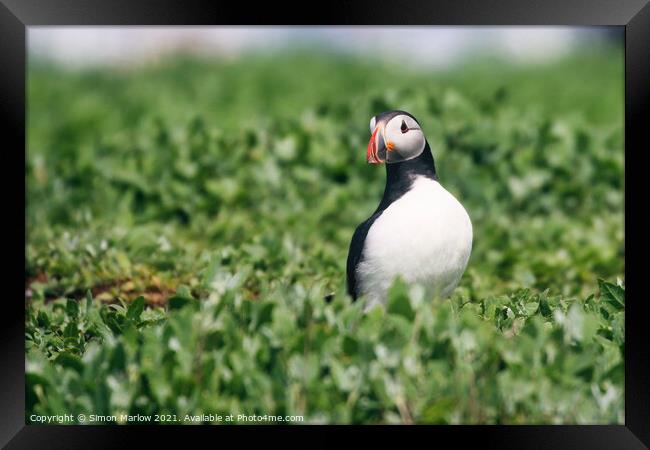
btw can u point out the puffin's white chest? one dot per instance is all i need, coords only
(425, 237)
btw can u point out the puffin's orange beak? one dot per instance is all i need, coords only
(376, 148)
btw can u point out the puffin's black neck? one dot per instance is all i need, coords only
(400, 176)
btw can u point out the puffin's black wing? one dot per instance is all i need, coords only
(355, 254)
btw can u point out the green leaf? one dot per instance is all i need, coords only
(72, 308)
(67, 359)
(350, 345)
(178, 302)
(184, 291)
(89, 301)
(398, 300)
(42, 319)
(135, 309)
(612, 293)
(71, 330)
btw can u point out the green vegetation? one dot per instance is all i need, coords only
(187, 220)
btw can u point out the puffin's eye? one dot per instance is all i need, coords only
(404, 127)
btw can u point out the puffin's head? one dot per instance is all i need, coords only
(395, 136)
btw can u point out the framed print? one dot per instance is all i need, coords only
(348, 217)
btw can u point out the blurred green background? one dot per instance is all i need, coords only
(187, 214)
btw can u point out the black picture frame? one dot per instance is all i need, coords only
(633, 15)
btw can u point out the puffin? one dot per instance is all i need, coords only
(419, 232)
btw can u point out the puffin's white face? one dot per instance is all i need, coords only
(397, 139)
